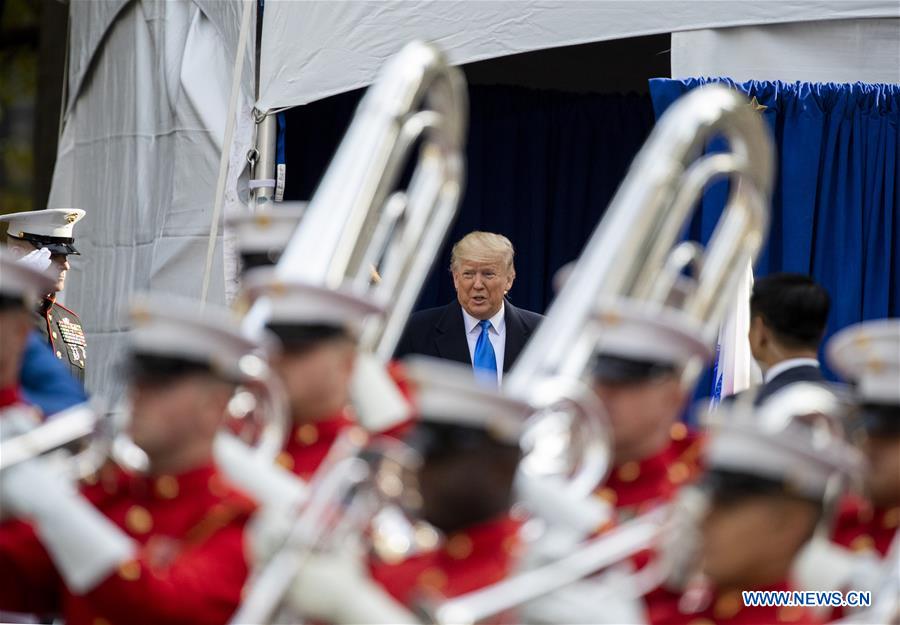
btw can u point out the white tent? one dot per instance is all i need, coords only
(150, 84)
(312, 50)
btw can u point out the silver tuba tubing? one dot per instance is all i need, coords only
(630, 250)
(597, 554)
(356, 222)
(79, 424)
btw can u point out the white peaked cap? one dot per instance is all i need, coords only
(175, 327)
(293, 302)
(266, 230)
(794, 437)
(868, 354)
(641, 331)
(448, 392)
(51, 222)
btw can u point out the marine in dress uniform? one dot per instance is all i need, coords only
(770, 474)
(165, 546)
(638, 375)
(868, 355)
(463, 430)
(317, 328)
(52, 230)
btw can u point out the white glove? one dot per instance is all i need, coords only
(823, 565)
(267, 532)
(36, 259)
(264, 481)
(377, 401)
(682, 538)
(16, 420)
(335, 587)
(85, 546)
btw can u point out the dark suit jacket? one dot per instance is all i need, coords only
(441, 332)
(804, 373)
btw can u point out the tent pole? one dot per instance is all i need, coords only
(263, 174)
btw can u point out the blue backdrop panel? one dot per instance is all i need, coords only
(836, 205)
(541, 168)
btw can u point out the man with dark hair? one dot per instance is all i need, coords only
(788, 313)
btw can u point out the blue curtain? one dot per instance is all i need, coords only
(836, 204)
(541, 168)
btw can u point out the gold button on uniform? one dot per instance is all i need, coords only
(678, 472)
(432, 578)
(59, 354)
(608, 495)
(863, 543)
(678, 431)
(54, 334)
(459, 547)
(138, 520)
(167, 487)
(789, 614)
(629, 471)
(130, 571)
(285, 460)
(217, 486)
(307, 434)
(891, 518)
(727, 606)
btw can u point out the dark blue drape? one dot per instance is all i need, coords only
(836, 204)
(541, 169)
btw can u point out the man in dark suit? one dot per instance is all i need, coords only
(481, 327)
(788, 313)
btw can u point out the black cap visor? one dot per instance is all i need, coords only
(610, 369)
(56, 245)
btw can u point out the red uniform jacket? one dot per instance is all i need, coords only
(635, 487)
(190, 568)
(308, 444)
(667, 608)
(863, 527)
(469, 560)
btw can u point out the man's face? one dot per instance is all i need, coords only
(59, 266)
(743, 537)
(883, 477)
(15, 323)
(317, 379)
(177, 413)
(480, 286)
(640, 410)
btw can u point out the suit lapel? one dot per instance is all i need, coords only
(450, 339)
(516, 336)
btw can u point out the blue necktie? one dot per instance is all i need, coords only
(485, 361)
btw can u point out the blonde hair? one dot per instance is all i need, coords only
(483, 247)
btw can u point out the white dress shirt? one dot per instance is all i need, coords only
(790, 363)
(496, 333)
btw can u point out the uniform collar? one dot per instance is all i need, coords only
(649, 480)
(482, 538)
(324, 430)
(791, 363)
(204, 478)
